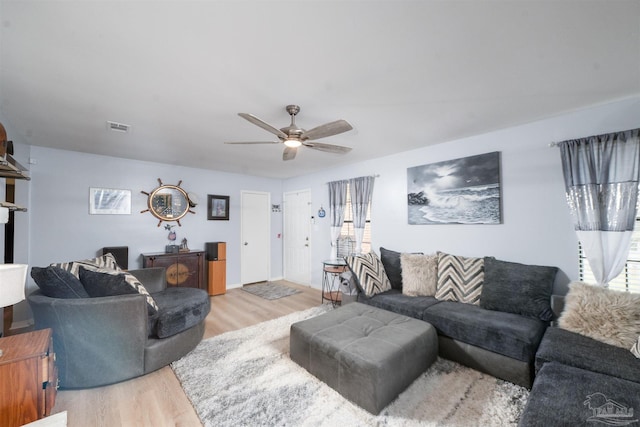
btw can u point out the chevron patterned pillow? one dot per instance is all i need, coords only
(103, 261)
(369, 273)
(459, 278)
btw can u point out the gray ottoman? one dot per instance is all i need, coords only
(366, 354)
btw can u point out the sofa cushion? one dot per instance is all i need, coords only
(55, 282)
(459, 278)
(518, 288)
(393, 268)
(369, 273)
(180, 309)
(570, 348)
(396, 301)
(107, 261)
(107, 282)
(569, 396)
(612, 317)
(419, 274)
(508, 334)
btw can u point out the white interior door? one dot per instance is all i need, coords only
(297, 236)
(255, 230)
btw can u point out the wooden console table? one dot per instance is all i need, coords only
(29, 377)
(184, 269)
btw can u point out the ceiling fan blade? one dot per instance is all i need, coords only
(329, 148)
(289, 153)
(264, 125)
(328, 129)
(254, 142)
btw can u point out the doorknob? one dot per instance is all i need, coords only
(245, 243)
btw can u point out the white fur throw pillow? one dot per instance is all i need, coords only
(612, 317)
(419, 274)
(636, 348)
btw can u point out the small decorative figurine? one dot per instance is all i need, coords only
(171, 247)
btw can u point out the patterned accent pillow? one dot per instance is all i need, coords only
(636, 348)
(369, 273)
(127, 279)
(459, 278)
(419, 274)
(106, 261)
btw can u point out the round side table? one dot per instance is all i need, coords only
(331, 270)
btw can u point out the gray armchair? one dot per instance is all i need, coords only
(104, 340)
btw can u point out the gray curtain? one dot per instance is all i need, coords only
(337, 203)
(361, 190)
(601, 175)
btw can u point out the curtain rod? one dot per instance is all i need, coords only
(372, 176)
(614, 134)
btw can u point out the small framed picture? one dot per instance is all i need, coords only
(218, 207)
(109, 201)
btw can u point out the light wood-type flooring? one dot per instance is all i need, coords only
(157, 399)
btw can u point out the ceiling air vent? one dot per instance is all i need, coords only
(118, 127)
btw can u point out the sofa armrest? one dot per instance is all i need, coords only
(154, 278)
(98, 341)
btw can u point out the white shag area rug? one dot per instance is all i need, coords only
(246, 378)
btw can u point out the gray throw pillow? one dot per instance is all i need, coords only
(518, 288)
(393, 268)
(55, 282)
(104, 284)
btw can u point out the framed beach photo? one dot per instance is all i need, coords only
(217, 207)
(109, 201)
(459, 191)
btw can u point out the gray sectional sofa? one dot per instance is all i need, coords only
(582, 381)
(574, 379)
(500, 343)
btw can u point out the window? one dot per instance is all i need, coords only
(348, 229)
(629, 278)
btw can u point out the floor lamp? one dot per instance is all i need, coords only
(12, 280)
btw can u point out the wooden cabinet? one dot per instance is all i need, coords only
(29, 377)
(184, 269)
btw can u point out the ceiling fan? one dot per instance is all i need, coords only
(293, 137)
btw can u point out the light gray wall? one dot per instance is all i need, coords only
(61, 229)
(536, 226)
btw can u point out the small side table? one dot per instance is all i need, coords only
(28, 365)
(331, 270)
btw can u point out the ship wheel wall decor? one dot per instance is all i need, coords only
(168, 202)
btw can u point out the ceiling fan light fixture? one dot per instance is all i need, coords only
(292, 143)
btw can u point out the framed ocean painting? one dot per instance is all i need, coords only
(459, 191)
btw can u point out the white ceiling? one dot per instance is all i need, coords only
(404, 73)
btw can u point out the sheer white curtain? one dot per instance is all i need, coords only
(601, 175)
(337, 203)
(361, 190)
